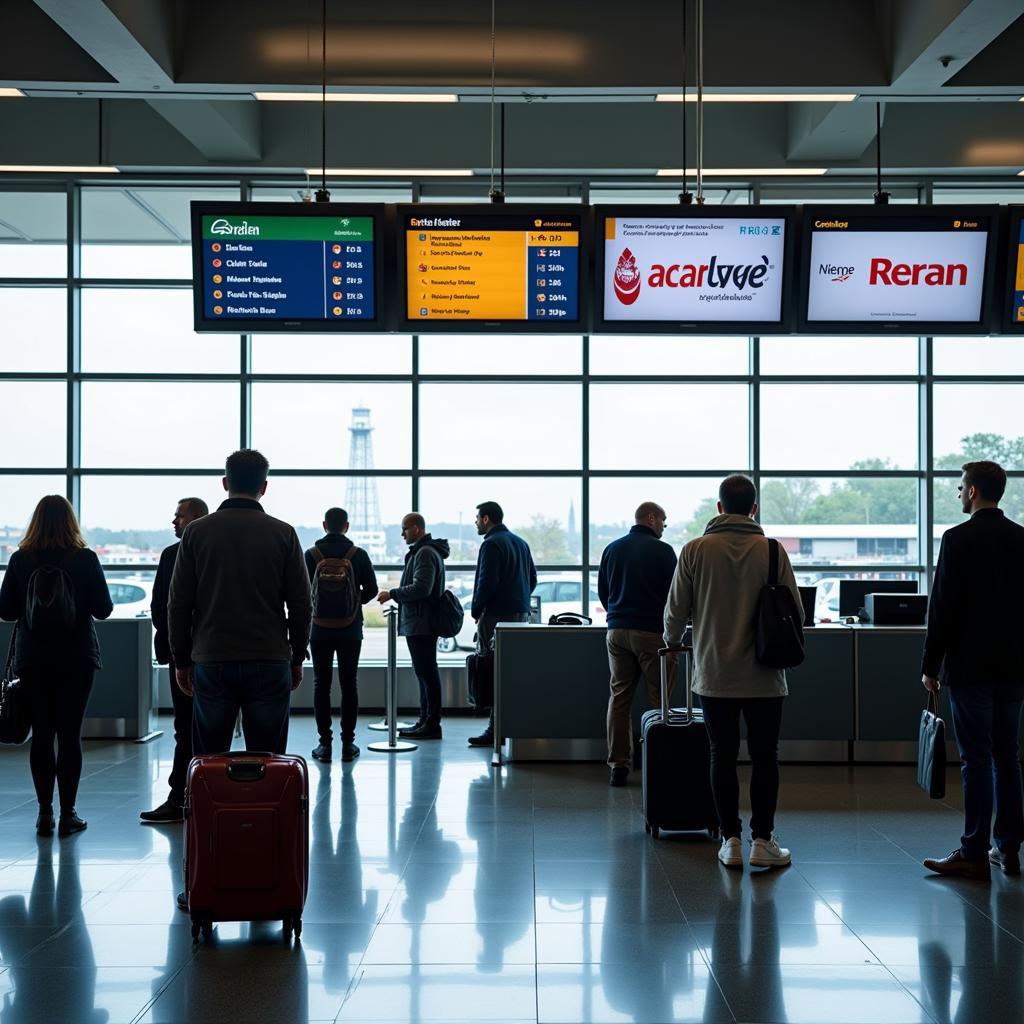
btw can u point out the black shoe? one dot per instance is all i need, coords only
(619, 775)
(485, 739)
(44, 823)
(1008, 862)
(168, 812)
(956, 865)
(424, 731)
(349, 752)
(182, 901)
(322, 752)
(70, 823)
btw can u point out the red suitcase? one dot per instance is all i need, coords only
(246, 840)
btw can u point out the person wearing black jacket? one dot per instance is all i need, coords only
(633, 584)
(344, 641)
(173, 808)
(56, 661)
(975, 637)
(416, 595)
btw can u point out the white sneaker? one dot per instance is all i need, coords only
(766, 853)
(731, 852)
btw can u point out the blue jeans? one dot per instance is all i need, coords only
(261, 690)
(986, 719)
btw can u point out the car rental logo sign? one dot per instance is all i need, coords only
(222, 226)
(688, 269)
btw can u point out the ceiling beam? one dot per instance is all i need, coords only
(828, 132)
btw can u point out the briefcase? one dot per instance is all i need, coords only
(931, 750)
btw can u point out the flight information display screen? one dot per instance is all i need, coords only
(1015, 318)
(897, 268)
(481, 265)
(272, 266)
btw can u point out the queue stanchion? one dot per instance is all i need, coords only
(382, 725)
(393, 745)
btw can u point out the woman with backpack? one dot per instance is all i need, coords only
(53, 589)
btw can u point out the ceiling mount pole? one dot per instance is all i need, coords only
(686, 196)
(881, 198)
(322, 195)
(496, 195)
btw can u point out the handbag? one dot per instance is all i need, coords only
(15, 714)
(931, 750)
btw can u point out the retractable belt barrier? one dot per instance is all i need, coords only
(394, 745)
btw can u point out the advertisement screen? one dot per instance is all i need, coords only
(482, 265)
(897, 269)
(695, 268)
(255, 265)
(1017, 270)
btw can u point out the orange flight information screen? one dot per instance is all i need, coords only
(467, 265)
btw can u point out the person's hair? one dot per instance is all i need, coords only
(988, 477)
(195, 506)
(246, 471)
(415, 519)
(336, 520)
(648, 508)
(492, 510)
(737, 494)
(54, 527)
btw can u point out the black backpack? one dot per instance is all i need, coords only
(50, 601)
(335, 591)
(779, 638)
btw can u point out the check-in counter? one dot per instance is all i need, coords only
(123, 699)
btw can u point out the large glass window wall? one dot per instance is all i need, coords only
(107, 396)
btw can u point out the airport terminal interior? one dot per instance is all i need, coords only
(512, 884)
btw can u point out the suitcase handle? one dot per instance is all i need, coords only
(686, 650)
(246, 771)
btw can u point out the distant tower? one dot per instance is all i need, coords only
(361, 499)
(571, 529)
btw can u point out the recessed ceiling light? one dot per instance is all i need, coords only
(390, 172)
(358, 97)
(759, 97)
(742, 172)
(58, 169)
(11, 92)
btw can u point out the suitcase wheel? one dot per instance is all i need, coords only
(292, 925)
(207, 930)
(202, 925)
(652, 830)
(714, 832)
(195, 931)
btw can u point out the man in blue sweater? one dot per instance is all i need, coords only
(633, 584)
(505, 578)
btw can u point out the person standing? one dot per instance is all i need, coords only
(239, 614)
(974, 639)
(505, 579)
(343, 580)
(53, 589)
(417, 595)
(173, 808)
(718, 581)
(632, 584)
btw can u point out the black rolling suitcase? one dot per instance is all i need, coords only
(677, 762)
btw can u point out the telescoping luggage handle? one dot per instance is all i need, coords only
(663, 652)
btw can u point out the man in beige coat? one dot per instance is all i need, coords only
(718, 582)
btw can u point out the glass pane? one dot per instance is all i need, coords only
(131, 591)
(977, 357)
(149, 330)
(949, 512)
(33, 234)
(666, 426)
(839, 426)
(458, 354)
(544, 511)
(500, 426)
(335, 354)
(865, 520)
(34, 335)
(688, 504)
(127, 519)
(824, 356)
(140, 232)
(158, 424)
(978, 421)
(33, 421)
(625, 356)
(333, 426)
(19, 496)
(375, 506)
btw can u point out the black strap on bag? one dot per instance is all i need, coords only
(779, 634)
(15, 713)
(931, 750)
(570, 619)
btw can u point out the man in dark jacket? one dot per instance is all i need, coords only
(417, 595)
(173, 808)
(633, 583)
(974, 636)
(328, 639)
(505, 579)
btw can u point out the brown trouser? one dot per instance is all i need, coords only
(632, 653)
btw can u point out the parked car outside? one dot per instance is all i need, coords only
(131, 595)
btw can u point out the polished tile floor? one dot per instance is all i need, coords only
(442, 890)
